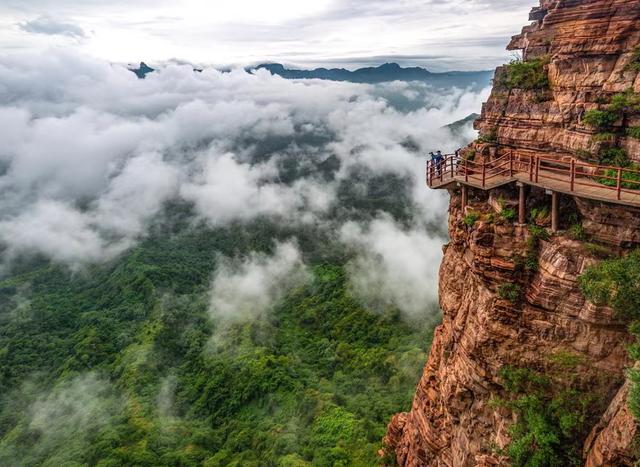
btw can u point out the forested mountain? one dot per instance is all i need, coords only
(213, 268)
(386, 73)
(136, 380)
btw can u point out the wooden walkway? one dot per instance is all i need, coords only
(601, 183)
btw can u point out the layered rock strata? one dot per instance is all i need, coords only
(591, 48)
(588, 48)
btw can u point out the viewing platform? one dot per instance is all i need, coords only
(596, 182)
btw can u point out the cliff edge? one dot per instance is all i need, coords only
(521, 354)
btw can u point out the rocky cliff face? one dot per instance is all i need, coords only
(590, 45)
(587, 48)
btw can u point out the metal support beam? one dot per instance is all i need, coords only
(555, 215)
(522, 205)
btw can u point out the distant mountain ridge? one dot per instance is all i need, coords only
(383, 73)
(370, 75)
(458, 128)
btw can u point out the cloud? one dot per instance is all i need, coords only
(59, 423)
(318, 33)
(227, 190)
(135, 195)
(246, 290)
(91, 154)
(53, 27)
(58, 231)
(394, 265)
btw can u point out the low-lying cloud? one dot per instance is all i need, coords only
(246, 290)
(91, 154)
(394, 265)
(60, 422)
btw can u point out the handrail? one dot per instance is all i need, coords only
(573, 172)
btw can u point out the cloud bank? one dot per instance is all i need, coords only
(91, 154)
(52, 27)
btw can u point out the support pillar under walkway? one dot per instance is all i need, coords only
(522, 205)
(555, 215)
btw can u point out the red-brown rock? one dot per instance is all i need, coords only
(589, 44)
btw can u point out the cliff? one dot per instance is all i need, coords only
(518, 337)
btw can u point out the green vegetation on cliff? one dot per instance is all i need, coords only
(616, 283)
(530, 75)
(552, 411)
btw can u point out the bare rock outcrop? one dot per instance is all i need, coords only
(611, 442)
(452, 421)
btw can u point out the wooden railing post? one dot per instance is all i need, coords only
(537, 168)
(466, 171)
(573, 173)
(451, 161)
(619, 184)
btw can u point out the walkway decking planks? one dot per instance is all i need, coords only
(558, 176)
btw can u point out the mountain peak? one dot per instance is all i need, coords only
(142, 71)
(391, 66)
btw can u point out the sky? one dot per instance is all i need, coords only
(438, 34)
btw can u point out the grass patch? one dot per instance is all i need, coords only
(511, 292)
(531, 263)
(597, 251)
(625, 102)
(629, 180)
(529, 75)
(539, 215)
(599, 118)
(618, 157)
(614, 156)
(634, 64)
(471, 219)
(622, 103)
(468, 154)
(490, 137)
(539, 233)
(508, 214)
(634, 132)
(616, 283)
(576, 232)
(566, 359)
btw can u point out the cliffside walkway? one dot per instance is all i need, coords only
(601, 183)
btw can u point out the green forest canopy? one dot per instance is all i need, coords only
(116, 365)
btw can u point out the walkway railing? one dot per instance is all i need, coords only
(571, 175)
